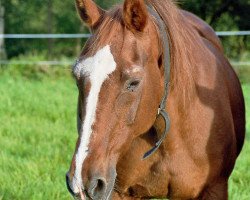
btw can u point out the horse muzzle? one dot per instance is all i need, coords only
(97, 189)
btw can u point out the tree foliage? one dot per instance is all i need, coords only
(55, 16)
(225, 15)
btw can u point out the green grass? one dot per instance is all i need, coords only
(38, 134)
(239, 185)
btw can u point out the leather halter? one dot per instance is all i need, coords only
(166, 61)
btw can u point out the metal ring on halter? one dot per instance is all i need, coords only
(165, 116)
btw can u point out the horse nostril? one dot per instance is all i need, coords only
(100, 185)
(97, 188)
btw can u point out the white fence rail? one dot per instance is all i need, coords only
(232, 33)
(44, 36)
(72, 36)
(78, 35)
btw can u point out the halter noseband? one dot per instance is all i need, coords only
(166, 58)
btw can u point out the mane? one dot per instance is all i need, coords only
(183, 40)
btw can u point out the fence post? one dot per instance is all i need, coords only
(50, 27)
(2, 49)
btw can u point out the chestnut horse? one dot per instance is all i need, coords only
(121, 75)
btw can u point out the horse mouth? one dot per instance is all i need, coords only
(84, 196)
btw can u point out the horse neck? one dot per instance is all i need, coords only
(182, 41)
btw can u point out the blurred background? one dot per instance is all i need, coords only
(59, 17)
(38, 95)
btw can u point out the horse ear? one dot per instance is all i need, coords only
(135, 15)
(89, 12)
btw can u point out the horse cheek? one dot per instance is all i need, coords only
(133, 111)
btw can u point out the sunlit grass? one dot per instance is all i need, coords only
(37, 136)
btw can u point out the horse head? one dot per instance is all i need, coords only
(120, 78)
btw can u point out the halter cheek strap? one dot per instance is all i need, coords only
(166, 61)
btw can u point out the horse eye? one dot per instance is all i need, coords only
(131, 86)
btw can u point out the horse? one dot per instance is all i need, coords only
(160, 110)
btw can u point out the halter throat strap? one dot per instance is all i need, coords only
(166, 61)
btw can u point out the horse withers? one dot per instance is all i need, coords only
(122, 77)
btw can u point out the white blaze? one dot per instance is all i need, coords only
(97, 68)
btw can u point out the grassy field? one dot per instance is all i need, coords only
(38, 132)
